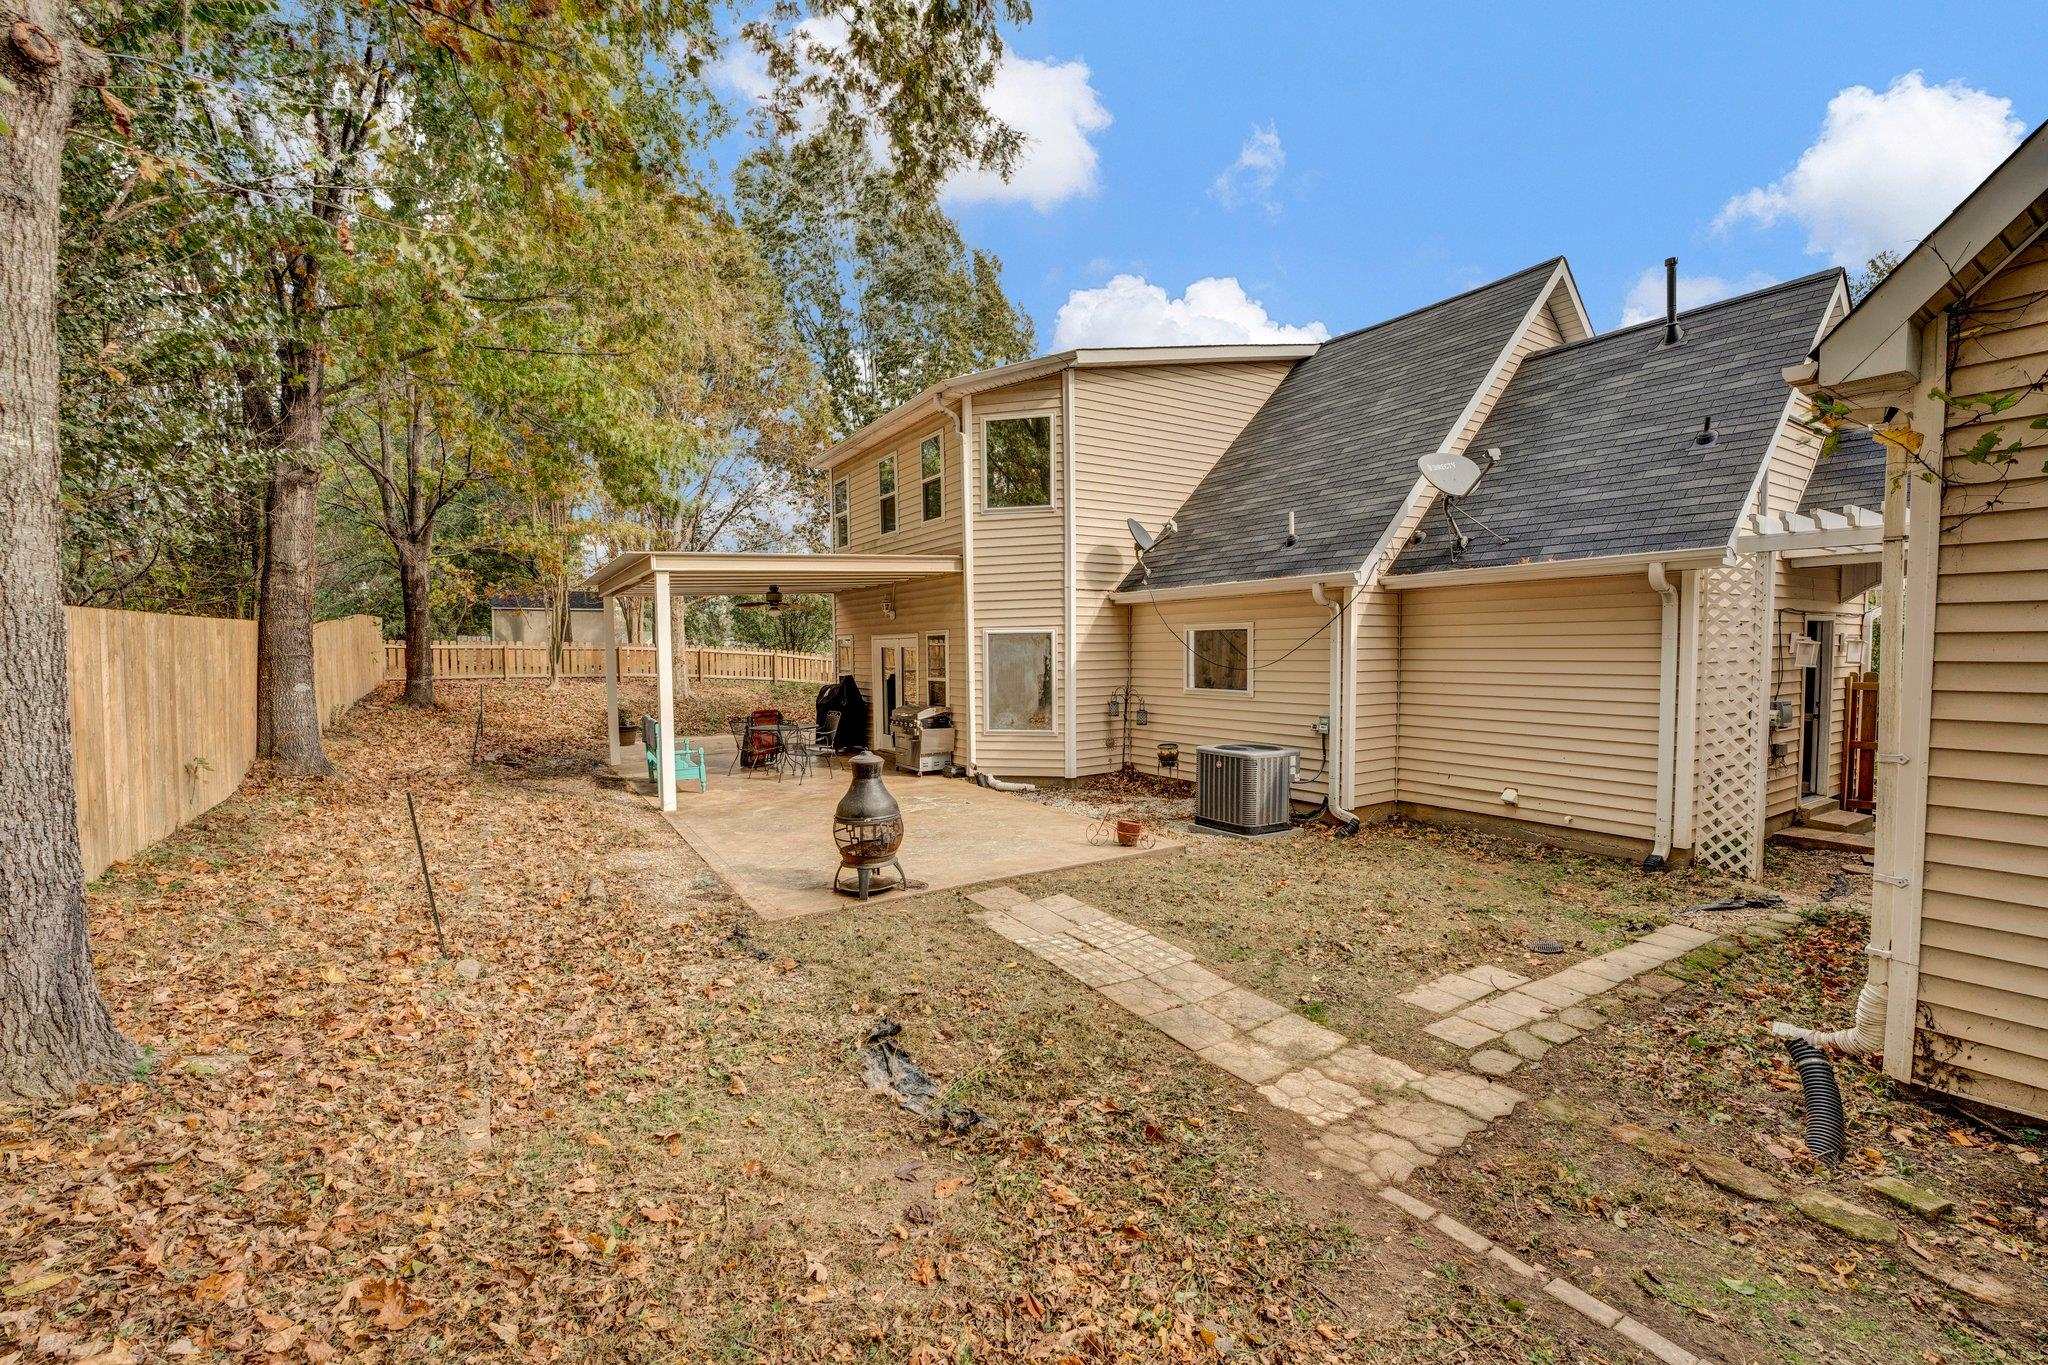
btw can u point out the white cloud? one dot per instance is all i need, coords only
(1250, 178)
(1056, 109)
(1886, 168)
(1053, 104)
(1132, 311)
(1646, 296)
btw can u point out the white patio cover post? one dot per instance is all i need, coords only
(665, 688)
(608, 640)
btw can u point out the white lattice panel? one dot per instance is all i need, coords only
(1734, 660)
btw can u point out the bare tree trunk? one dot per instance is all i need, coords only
(288, 704)
(414, 599)
(55, 1030)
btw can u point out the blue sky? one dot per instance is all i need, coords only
(1388, 156)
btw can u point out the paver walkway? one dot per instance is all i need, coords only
(1377, 1119)
(1374, 1117)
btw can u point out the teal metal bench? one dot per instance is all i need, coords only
(689, 757)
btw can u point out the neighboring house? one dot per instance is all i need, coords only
(1310, 581)
(1539, 675)
(524, 618)
(1955, 342)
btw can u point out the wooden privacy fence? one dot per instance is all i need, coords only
(468, 660)
(163, 715)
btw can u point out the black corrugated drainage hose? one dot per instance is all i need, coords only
(1826, 1124)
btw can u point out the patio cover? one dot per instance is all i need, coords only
(666, 574)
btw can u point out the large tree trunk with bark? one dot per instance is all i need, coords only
(55, 1030)
(414, 591)
(287, 702)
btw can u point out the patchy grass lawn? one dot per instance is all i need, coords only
(621, 1121)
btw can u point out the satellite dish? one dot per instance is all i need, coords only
(1144, 538)
(1456, 475)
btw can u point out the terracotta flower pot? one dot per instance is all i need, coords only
(1128, 832)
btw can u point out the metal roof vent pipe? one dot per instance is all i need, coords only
(1671, 332)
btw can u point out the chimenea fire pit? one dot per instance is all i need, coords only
(868, 827)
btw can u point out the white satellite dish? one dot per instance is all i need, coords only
(1144, 538)
(1455, 475)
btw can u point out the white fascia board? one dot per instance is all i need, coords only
(1875, 338)
(1599, 566)
(1249, 587)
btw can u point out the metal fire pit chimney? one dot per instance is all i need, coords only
(867, 825)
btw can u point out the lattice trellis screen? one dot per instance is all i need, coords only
(1734, 662)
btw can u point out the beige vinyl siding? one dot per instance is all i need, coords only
(1019, 583)
(1288, 693)
(1376, 746)
(1794, 457)
(1805, 595)
(1547, 687)
(913, 535)
(1144, 436)
(926, 604)
(1984, 927)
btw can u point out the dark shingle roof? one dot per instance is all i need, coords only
(1337, 443)
(1597, 437)
(1852, 473)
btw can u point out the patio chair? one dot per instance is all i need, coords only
(689, 757)
(762, 744)
(803, 746)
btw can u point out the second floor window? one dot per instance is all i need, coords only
(885, 486)
(1017, 454)
(931, 470)
(842, 530)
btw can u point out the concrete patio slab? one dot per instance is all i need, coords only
(772, 840)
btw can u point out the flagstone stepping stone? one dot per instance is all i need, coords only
(1193, 1027)
(1461, 1032)
(1851, 1220)
(1525, 1044)
(1297, 1037)
(1734, 1177)
(1246, 1060)
(1923, 1201)
(1494, 1063)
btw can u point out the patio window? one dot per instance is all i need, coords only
(935, 674)
(1020, 680)
(841, 523)
(843, 663)
(885, 486)
(1017, 457)
(931, 470)
(1220, 659)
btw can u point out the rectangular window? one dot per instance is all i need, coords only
(931, 471)
(1220, 659)
(935, 674)
(1020, 680)
(842, 526)
(1017, 457)
(885, 486)
(844, 660)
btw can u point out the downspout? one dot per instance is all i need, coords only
(1334, 780)
(1667, 718)
(1865, 1038)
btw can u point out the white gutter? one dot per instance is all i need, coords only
(1594, 567)
(1249, 587)
(1667, 717)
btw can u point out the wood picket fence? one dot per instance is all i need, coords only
(495, 661)
(163, 715)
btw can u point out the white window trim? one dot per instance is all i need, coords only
(1052, 637)
(938, 478)
(925, 640)
(841, 486)
(1052, 465)
(1251, 682)
(896, 476)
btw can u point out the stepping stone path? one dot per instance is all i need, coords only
(1374, 1117)
(1513, 1020)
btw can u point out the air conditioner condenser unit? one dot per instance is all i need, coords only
(1244, 788)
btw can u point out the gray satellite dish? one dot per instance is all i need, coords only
(1456, 475)
(1144, 538)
